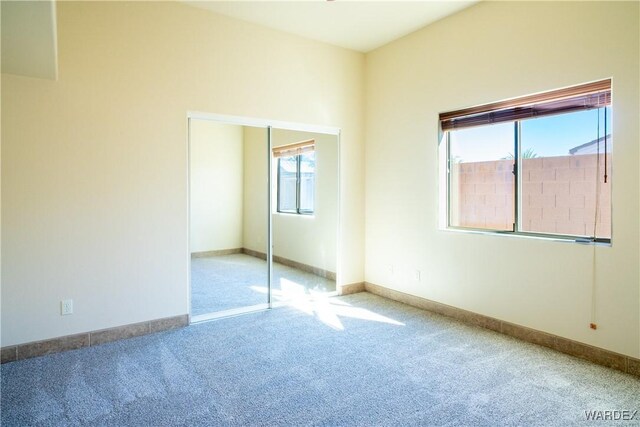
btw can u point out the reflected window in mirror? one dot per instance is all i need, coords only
(296, 167)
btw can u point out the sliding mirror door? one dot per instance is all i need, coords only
(228, 218)
(305, 185)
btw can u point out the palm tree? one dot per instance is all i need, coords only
(526, 154)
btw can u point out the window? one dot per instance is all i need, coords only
(538, 165)
(296, 166)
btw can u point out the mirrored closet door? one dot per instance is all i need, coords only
(228, 230)
(263, 216)
(304, 214)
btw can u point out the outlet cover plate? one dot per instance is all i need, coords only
(66, 307)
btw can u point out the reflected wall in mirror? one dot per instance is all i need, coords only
(226, 272)
(305, 184)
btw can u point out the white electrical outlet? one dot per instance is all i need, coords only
(417, 274)
(66, 307)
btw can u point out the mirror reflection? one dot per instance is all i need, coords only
(227, 204)
(229, 216)
(305, 213)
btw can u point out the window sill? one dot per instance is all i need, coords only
(294, 214)
(510, 234)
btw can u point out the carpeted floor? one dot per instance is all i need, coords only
(354, 360)
(232, 281)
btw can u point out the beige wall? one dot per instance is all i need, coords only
(309, 239)
(94, 165)
(489, 52)
(255, 189)
(216, 185)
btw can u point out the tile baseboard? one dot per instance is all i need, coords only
(9, 354)
(588, 352)
(254, 254)
(89, 339)
(352, 288)
(218, 252)
(330, 275)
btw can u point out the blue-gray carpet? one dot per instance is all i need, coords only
(354, 360)
(226, 282)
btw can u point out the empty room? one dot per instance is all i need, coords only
(320, 213)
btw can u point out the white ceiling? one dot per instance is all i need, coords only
(29, 39)
(354, 24)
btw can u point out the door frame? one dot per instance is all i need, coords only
(268, 125)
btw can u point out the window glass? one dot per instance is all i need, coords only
(563, 175)
(287, 176)
(307, 181)
(481, 180)
(296, 183)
